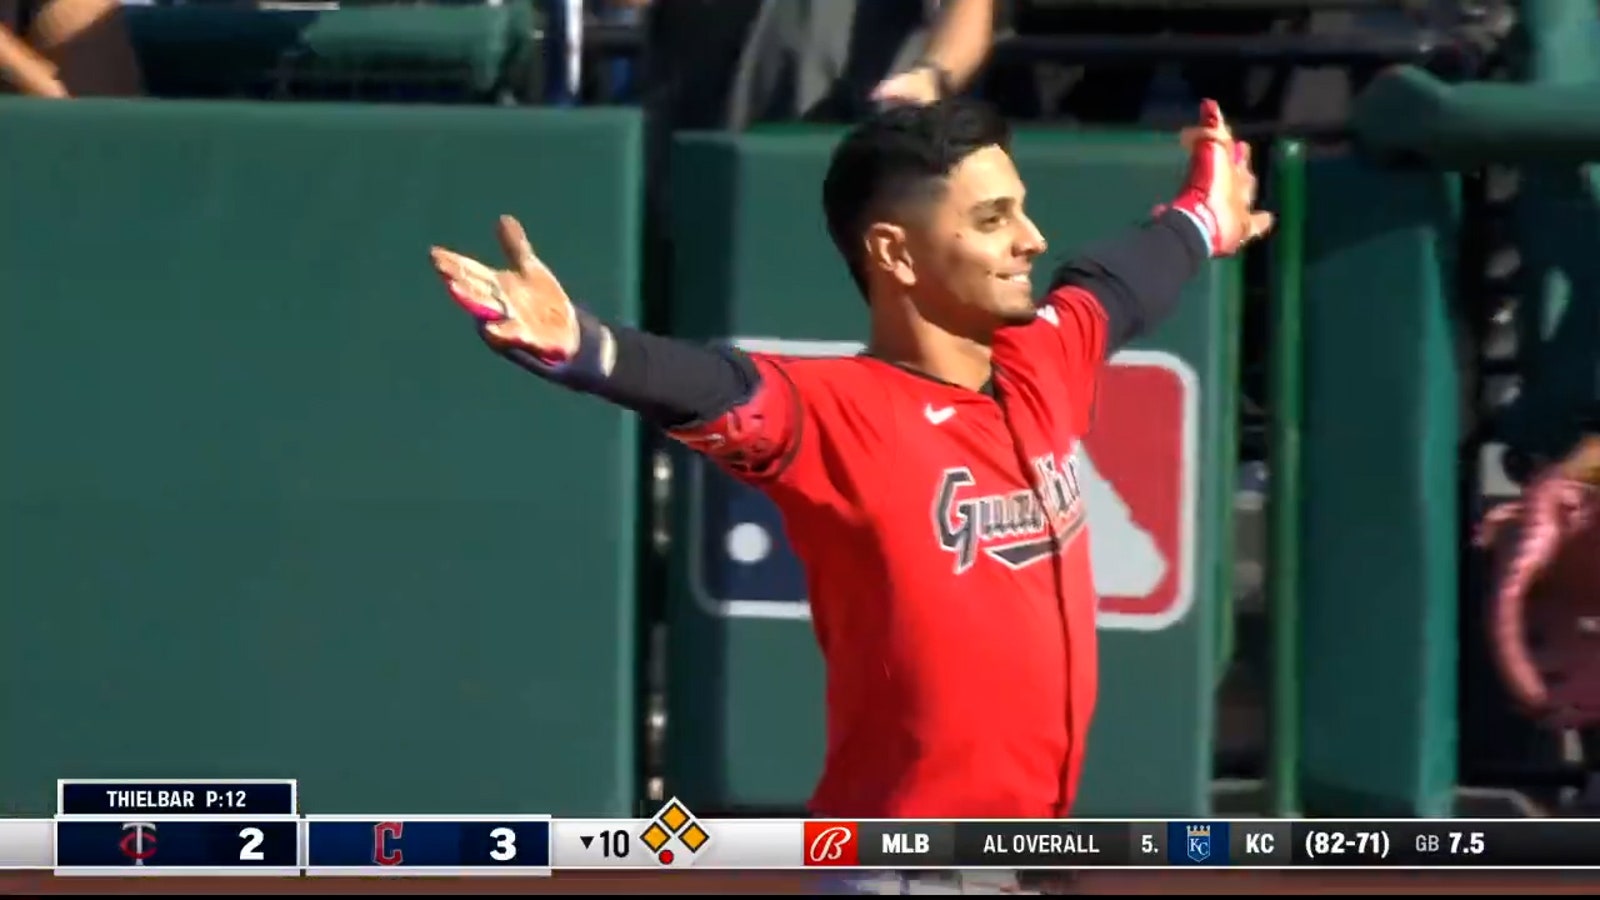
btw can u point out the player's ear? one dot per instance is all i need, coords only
(888, 251)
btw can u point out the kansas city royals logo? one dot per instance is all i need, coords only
(1199, 842)
(1016, 529)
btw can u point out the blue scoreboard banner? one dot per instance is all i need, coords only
(415, 845)
(220, 826)
(117, 847)
(254, 827)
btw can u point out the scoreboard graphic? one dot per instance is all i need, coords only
(424, 845)
(255, 827)
(141, 827)
(673, 823)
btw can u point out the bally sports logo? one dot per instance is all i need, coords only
(832, 843)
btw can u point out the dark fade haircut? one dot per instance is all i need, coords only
(896, 158)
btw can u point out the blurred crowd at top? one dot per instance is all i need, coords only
(731, 63)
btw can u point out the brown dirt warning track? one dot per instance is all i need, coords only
(798, 883)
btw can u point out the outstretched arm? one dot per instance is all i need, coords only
(719, 401)
(1130, 282)
(1121, 288)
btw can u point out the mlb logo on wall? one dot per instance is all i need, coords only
(1138, 470)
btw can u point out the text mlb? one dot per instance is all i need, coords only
(918, 842)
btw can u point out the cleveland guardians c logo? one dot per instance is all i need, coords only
(382, 834)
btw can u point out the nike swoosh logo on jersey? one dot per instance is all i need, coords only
(938, 416)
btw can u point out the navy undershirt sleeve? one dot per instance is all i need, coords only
(669, 382)
(1138, 275)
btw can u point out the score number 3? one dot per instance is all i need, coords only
(505, 844)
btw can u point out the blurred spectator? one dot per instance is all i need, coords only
(821, 59)
(734, 63)
(1119, 93)
(84, 42)
(616, 79)
(25, 71)
(832, 60)
(1103, 92)
(956, 49)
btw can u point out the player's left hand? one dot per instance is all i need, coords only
(1220, 190)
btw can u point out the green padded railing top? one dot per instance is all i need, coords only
(1408, 113)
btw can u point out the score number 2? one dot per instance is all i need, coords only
(251, 851)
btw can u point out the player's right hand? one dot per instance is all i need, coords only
(521, 306)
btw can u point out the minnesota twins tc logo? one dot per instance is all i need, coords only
(140, 844)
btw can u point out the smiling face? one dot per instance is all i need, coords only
(925, 205)
(964, 251)
(973, 250)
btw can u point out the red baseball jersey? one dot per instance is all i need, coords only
(946, 553)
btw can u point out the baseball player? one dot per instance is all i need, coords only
(928, 485)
